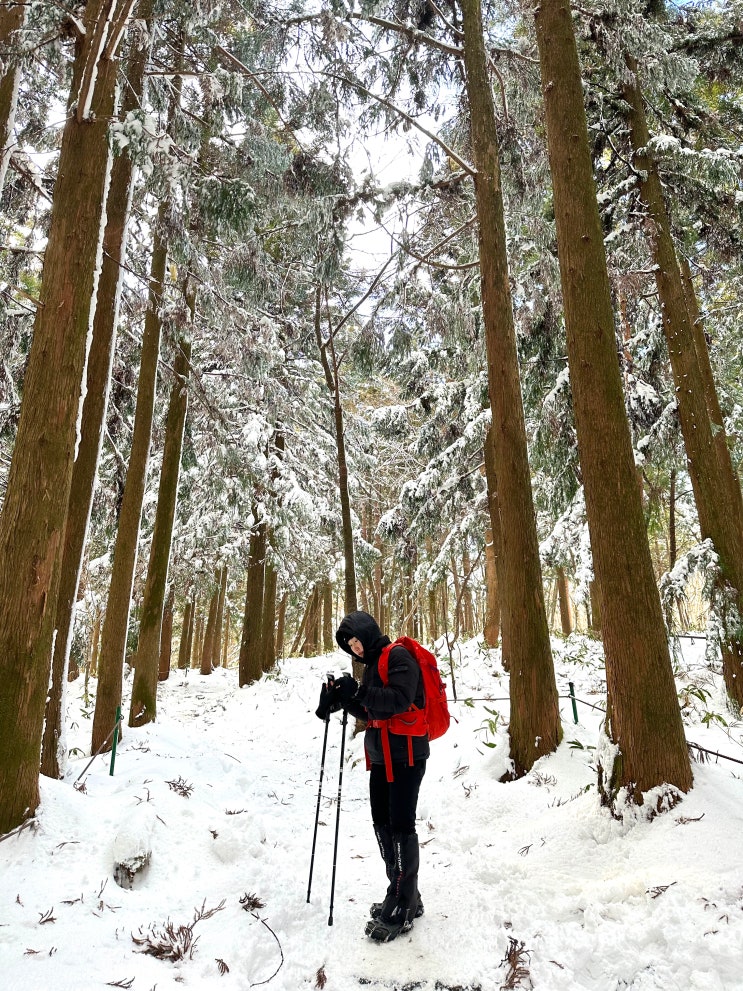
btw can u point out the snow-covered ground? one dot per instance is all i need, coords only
(527, 884)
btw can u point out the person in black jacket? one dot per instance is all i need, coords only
(393, 803)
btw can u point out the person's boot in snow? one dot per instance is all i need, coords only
(401, 904)
(386, 849)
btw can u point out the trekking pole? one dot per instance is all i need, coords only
(317, 811)
(338, 815)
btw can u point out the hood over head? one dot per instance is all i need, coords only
(364, 627)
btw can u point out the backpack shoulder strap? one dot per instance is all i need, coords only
(383, 665)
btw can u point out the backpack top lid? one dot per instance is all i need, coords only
(436, 709)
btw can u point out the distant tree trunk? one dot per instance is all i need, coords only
(311, 645)
(379, 582)
(98, 377)
(281, 626)
(710, 391)
(328, 639)
(226, 644)
(116, 624)
(534, 723)
(643, 720)
(93, 665)
(268, 636)
(218, 631)
(563, 595)
(143, 708)
(467, 604)
(186, 630)
(166, 637)
(194, 642)
(37, 495)
(207, 651)
(251, 658)
(299, 637)
(332, 380)
(716, 488)
(672, 552)
(12, 19)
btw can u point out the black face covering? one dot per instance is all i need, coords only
(364, 627)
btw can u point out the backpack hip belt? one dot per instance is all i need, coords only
(410, 723)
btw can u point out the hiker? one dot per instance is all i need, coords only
(393, 802)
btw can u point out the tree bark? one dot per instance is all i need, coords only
(281, 626)
(183, 651)
(166, 638)
(332, 380)
(217, 651)
(100, 359)
(226, 645)
(37, 495)
(493, 548)
(143, 707)
(116, 624)
(197, 626)
(207, 651)
(251, 658)
(535, 727)
(643, 718)
(268, 636)
(716, 489)
(12, 19)
(328, 638)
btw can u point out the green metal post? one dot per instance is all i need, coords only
(571, 686)
(116, 738)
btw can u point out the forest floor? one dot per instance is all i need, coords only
(529, 884)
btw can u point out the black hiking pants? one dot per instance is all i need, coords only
(394, 803)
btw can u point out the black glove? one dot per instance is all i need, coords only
(329, 701)
(345, 688)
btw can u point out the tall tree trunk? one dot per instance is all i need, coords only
(716, 489)
(563, 595)
(143, 707)
(207, 652)
(226, 644)
(268, 636)
(217, 652)
(281, 626)
(116, 624)
(37, 495)
(535, 727)
(643, 720)
(710, 391)
(100, 358)
(183, 651)
(493, 547)
(310, 647)
(197, 630)
(166, 637)
(468, 607)
(251, 666)
(328, 639)
(12, 19)
(332, 380)
(672, 552)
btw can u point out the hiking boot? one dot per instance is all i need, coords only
(375, 909)
(402, 904)
(385, 932)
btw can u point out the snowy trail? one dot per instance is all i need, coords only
(593, 904)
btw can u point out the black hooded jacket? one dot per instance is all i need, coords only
(374, 699)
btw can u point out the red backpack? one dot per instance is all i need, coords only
(432, 720)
